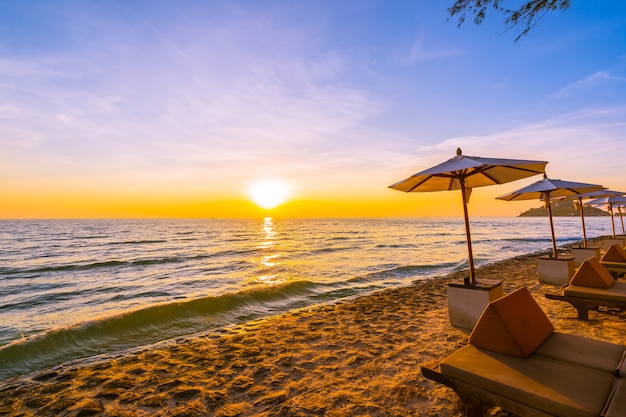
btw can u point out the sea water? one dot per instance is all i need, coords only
(72, 289)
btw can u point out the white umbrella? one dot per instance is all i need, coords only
(464, 173)
(548, 189)
(578, 202)
(616, 201)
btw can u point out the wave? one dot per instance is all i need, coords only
(233, 252)
(520, 239)
(137, 242)
(146, 326)
(93, 265)
(405, 271)
(89, 237)
(118, 263)
(331, 249)
(543, 239)
(397, 245)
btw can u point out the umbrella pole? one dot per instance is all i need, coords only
(582, 219)
(612, 219)
(621, 218)
(467, 233)
(547, 200)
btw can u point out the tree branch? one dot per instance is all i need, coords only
(526, 17)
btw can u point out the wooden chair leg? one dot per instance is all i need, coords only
(583, 311)
(473, 409)
(473, 406)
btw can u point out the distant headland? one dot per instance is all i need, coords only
(563, 208)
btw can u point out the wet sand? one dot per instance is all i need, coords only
(357, 357)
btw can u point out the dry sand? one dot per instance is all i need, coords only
(359, 357)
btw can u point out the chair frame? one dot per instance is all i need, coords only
(584, 305)
(475, 398)
(616, 269)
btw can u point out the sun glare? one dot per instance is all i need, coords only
(268, 193)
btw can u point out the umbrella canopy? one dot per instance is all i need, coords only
(550, 189)
(464, 173)
(610, 202)
(469, 172)
(578, 202)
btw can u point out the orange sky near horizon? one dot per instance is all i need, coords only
(53, 204)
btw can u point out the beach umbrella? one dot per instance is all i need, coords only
(550, 189)
(464, 173)
(578, 202)
(610, 202)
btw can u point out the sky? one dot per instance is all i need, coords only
(154, 108)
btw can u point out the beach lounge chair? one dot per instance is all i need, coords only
(614, 260)
(591, 287)
(515, 360)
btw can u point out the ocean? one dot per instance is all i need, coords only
(72, 289)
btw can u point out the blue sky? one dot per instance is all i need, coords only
(194, 99)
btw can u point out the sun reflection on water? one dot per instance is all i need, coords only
(269, 263)
(268, 228)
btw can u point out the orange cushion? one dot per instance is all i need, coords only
(591, 273)
(615, 253)
(514, 325)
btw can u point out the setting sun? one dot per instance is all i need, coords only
(268, 193)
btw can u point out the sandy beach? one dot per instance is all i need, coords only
(357, 357)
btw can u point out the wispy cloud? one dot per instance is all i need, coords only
(578, 146)
(421, 51)
(595, 80)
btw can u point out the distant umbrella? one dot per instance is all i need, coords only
(578, 202)
(464, 173)
(548, 189)
(610, 202)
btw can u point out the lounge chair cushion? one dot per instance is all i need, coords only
(616, 293)
(513, 325)
(555, 387)
(617, 404)
(593, 353)
(591, 273)
(615, 253)
(621, 368)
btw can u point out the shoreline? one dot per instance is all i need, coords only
(352, 357)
